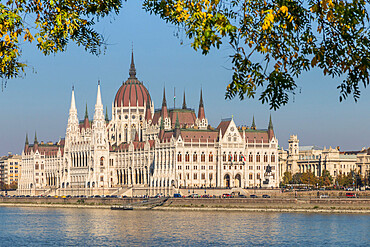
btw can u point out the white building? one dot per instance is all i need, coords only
(148, 151)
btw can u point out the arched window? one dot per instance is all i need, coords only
(230, 157)
(224, 157)
(210, 157)
(195, 157)
(187, 157)
(101, 161)
(273, 157)
(265, 158)
(250, 157)
(240, 157)
(179, 157)
(235, 157)
(203, 157)
(258, 157)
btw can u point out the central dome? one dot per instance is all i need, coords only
(132, 92)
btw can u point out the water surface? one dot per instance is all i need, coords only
(100, 227)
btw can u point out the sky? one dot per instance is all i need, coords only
(40, 100)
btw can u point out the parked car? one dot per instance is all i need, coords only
(266, 196)
(242, 196)
(226, 196)
(177, 195)
(324, 196)
(194, 196)
(351, 195)
(253, 196)
(159, 195)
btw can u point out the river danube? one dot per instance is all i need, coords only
(98, 227)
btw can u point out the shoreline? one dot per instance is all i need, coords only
(205, 209)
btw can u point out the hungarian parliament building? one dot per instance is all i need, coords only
(143, 151)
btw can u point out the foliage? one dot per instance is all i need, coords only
(274, 41)
(325, 179)
(287, 178)
(309, 178)
(51, 24)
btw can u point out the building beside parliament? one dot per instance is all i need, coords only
(144, 151)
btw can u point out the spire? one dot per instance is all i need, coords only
(35, 141)
(184, 102)
(73, 101)
(72, 118)
(201, 114)
(201, 99)
(132, 71)
(270, 124)
(164, 102)
(27, 139)
(106, 114)
(86, 113)
(253, 124)
(98, 96)
(148, 112)
(164, 112)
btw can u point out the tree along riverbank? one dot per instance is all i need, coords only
(327, 205)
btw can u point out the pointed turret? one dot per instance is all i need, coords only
(106, 114)
(201, 114)
(184, 102)
(253, 124)
(270, 124)
(164, 112)
(35, 140)
(132, 71)
(86, 119)
(148, 111)
(35, 143)
(270, 130)
(86, 113)
(99, 108)
(72, 118)
(26, 143)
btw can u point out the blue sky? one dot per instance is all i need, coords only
(40, 101)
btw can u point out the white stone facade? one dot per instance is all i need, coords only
(147, 150)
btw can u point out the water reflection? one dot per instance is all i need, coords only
(96, 227)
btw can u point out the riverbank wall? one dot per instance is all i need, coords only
(347, 205)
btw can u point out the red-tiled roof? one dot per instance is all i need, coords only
(223, 126)
(199, 135)
(133, 92)
(186, 117)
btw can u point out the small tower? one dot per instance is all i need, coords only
(293, 153)
(148, 112)
(72, 127)
(164, 113)
(35, 143)
(270, 129)
(86, 123)
(253, 124)
(26, 145)
(98, 125)
(106, 114)
(201, 121)
(184, 102)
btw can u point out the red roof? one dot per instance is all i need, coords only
(223, 126)
(133, 92)
(199, 136)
